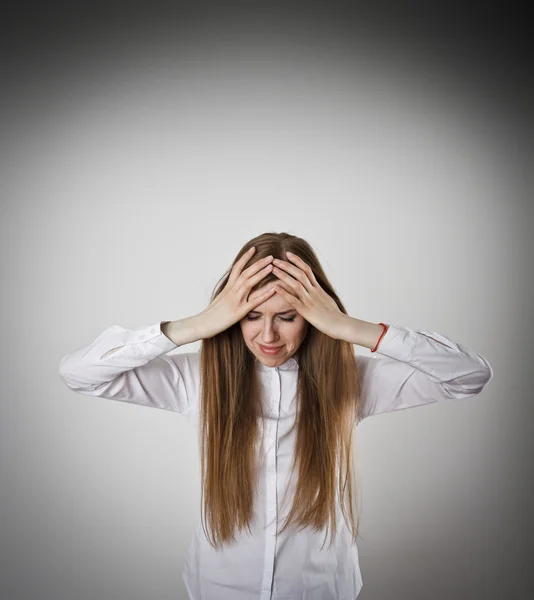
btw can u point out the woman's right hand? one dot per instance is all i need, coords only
(232, 304)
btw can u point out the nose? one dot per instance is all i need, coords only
(269, 335)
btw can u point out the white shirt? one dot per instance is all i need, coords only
(416, 368)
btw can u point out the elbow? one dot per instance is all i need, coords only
(469, 385)
(487, 373)
(66, 373)
(483, 377)
(63, 372)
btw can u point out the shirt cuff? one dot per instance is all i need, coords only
(154, 335)
(395, 343)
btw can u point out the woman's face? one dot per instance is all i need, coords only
(264, 326)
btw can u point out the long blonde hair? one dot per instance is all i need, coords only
(328, 408)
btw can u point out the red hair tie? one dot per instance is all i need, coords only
(386, 327)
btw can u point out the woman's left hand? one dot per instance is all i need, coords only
(299, 288)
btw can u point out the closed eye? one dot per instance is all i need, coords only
(289, 320)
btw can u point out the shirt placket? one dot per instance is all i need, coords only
(271, 487)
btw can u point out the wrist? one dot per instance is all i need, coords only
(362, 333)
(182, 331)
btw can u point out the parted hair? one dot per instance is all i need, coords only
(327, 411)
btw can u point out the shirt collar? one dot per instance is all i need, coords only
(290, 365)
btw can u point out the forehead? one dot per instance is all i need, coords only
(273, 304)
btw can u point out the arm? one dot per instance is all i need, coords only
(364, 333)
(130, 365)
(416, 368)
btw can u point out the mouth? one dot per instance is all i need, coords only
(270, 349)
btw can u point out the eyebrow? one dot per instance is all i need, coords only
(280, 313)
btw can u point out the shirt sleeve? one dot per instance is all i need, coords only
(417, 368)
(130, 365)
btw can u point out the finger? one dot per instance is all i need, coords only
(257, 298)
(303, 266)
(259, 293)
(297, 273)
(281, 284)
(287, 296)
(253, 280)
(253, 269)
(238, 267)
(295, 285)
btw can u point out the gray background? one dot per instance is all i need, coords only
(141, 147)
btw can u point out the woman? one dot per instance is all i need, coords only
(275, 392)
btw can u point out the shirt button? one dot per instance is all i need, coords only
(152, 331)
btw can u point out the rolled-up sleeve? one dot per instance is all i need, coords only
(412, 368)
(130, 365)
